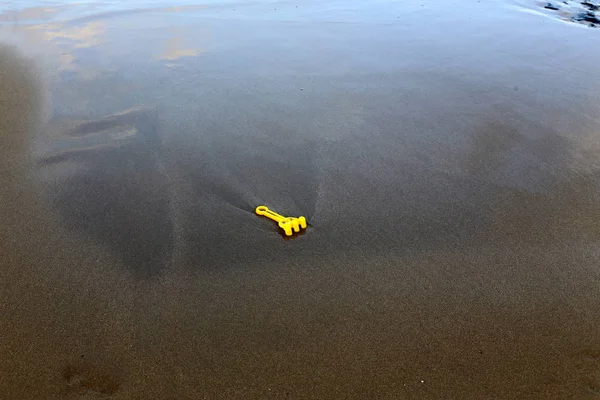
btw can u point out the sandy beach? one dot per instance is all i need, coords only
(446, 159)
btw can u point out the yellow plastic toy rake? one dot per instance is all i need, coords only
(288, 224)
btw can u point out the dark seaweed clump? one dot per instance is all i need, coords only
(589, 17)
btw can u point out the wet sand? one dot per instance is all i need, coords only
(446, 160)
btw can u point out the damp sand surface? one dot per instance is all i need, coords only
(447, 160)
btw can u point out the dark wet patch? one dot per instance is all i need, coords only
(224, 178)
(117, 192)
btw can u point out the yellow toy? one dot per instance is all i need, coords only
(286, 223)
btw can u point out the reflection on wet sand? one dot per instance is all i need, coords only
(174, 50)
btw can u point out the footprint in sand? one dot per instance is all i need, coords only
(589, 369)
(89, 383)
